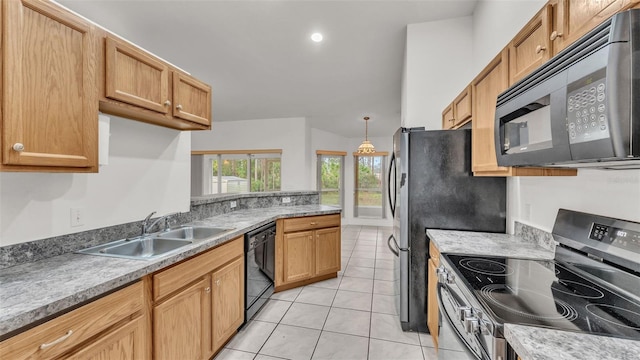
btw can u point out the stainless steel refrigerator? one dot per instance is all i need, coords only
(431, 186)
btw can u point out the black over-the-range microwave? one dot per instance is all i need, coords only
(581, 108)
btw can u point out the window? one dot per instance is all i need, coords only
(370, 185)
(242, 172)
(330, 177)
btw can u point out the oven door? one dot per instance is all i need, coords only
(454, 342)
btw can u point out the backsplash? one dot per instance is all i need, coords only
(201, 208)
(535, 235)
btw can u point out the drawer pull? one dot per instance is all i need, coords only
(313, 223)
(59, 340)
(540, 49)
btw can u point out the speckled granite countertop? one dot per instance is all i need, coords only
(34, 291)
(529, 342)
(532, 343)
(478, 243)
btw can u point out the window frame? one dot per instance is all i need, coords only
(383, 183)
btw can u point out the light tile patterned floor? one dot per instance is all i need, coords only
(351, 317)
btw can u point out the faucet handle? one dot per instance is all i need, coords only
(146, 220)
(145, 223)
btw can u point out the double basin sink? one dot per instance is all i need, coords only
(155, 245)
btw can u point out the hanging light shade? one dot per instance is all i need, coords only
(366, 147)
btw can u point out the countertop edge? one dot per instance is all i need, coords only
(535, 343)
(11, 324)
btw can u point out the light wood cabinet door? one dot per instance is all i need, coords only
(298, 256)
(228, 301)
(432, 302)
(447, 118)
(327, 251)
(125, 343)
(485, 89)
(191, 99)
(182, 324)
(135, 77)
(49, 85)
(531, 47)
(575, 18)
(462, 106)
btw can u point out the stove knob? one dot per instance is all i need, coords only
(464, 312)
(471, 325)
(444, 276)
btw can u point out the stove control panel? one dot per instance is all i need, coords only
(622, 238)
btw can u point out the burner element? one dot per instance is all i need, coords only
(501, 294)
(578, 289)
(486, 267)
(615, 315)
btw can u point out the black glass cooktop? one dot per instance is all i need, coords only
(547, 293)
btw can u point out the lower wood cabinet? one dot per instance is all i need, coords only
(433, 316)
(307, 250)
(199, 303)
(182, 324)
(112, 327)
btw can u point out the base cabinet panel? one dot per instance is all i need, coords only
(298, 256)
(228, 301)
(123, 344)
(181, 325)
(327, 251)
(433, 316)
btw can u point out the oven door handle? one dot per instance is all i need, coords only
(445, 314)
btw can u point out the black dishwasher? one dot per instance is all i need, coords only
(259, 246)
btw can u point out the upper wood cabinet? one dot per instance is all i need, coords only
(531, 47)
(458, 112)
(49, 89)
(135, 77)
(574, 18)
(142, 87)
(484, 91)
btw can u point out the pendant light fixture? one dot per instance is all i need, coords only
(366, 147)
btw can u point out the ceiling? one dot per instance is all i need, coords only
(261, 63)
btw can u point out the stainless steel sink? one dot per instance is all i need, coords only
(194, 233)
(137, 248)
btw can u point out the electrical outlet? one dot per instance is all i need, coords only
(233, 204)
(286, 200)
(77, 217)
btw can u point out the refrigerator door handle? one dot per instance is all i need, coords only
(392, 203)
(395, 251)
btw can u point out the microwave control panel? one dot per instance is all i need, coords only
(587, 113)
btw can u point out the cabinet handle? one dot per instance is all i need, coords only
(451, 120)
(207, 289)
(167, 103)
(179, 107)
(59, 340)
(313, 223)
(18, 147)
(540, 49)
(218, 282)
(555, 35)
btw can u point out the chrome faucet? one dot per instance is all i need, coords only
(146, 226)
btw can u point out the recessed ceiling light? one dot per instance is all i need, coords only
(317, 37)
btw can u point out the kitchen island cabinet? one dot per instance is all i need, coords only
(307, 250)
(113, 324)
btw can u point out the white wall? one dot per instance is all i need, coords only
(437, 68)
(535, 200)
(292, 135)
(149, 170)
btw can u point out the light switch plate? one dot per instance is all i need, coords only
(233, 204)
(286, 200)
(77, 217)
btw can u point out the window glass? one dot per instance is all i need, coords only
(330, 179)
(370, 187)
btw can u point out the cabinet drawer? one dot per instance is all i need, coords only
(434, 253)
(167, 281)
(56, 337)
(311, 222)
